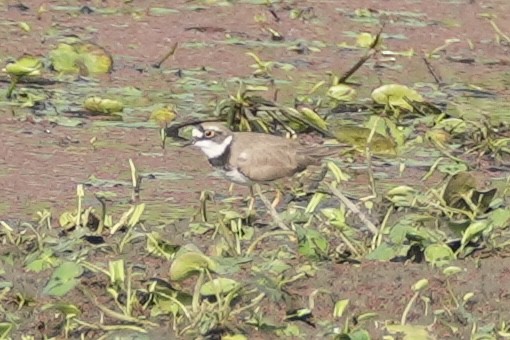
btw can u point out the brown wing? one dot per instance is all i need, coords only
(264, 158)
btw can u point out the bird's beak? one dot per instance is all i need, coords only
(190, 143)
(196, 134)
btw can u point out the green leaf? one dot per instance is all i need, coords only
(163, 115)
(63, 279)
(5, 329)
(340, 307)
(384, 252)
(116, 272)
(312, 243)
(188, 262)
(137, 214)
(221, 286)
(359, 334)
(234, 337)
(25, 66)
(452, 125)
(365, 40)
(358, 137)
(402, 196)
(410, 332)
(394, 95)
(44, 260)
(160, 11)
(312, 117)
(420, 285)
(65, 308)
(81, 57)
(339, 175)
(500, 218)
(474, 230)
(452, 270)
(160, 247)
(335, 216)
(341, 92)
(100, 105)
(439, 254)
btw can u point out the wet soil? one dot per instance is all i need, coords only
(41, 163)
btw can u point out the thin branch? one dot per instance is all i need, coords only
(166, 56)
(370, 53)
(354, 209)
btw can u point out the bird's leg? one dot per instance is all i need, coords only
(251, 201)
(277, 198)
(270, 209)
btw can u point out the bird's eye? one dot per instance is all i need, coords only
(209, 133)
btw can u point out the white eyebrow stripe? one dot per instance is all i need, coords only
(197, 133)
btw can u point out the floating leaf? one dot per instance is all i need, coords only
(160, 247)
(100, 105)
(452, 125)
(395, 95)
(365, 40)
(438, 254)
(386, 127)
(164, 115)
(219, 286)
(81, 57)
(461, 193)
(25, 66)
(411, 332)
(474, 230)
(358, 137)
(342, 92)
(24, 26)
(188, 262)
(63, 279)
(460, 184)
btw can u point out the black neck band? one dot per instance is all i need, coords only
(222, 159)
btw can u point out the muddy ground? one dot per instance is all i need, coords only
(41, 163)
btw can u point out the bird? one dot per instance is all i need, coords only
(248, 158)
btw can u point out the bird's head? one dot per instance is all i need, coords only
(212, 138)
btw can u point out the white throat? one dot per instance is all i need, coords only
(212, 149)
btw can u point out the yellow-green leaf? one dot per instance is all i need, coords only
(100, 105)
(71, 58)
(189, 262)
(394, 95)
(164, 115)
(312, 117)
(25, 66)
(342, 92)
(219, 286)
